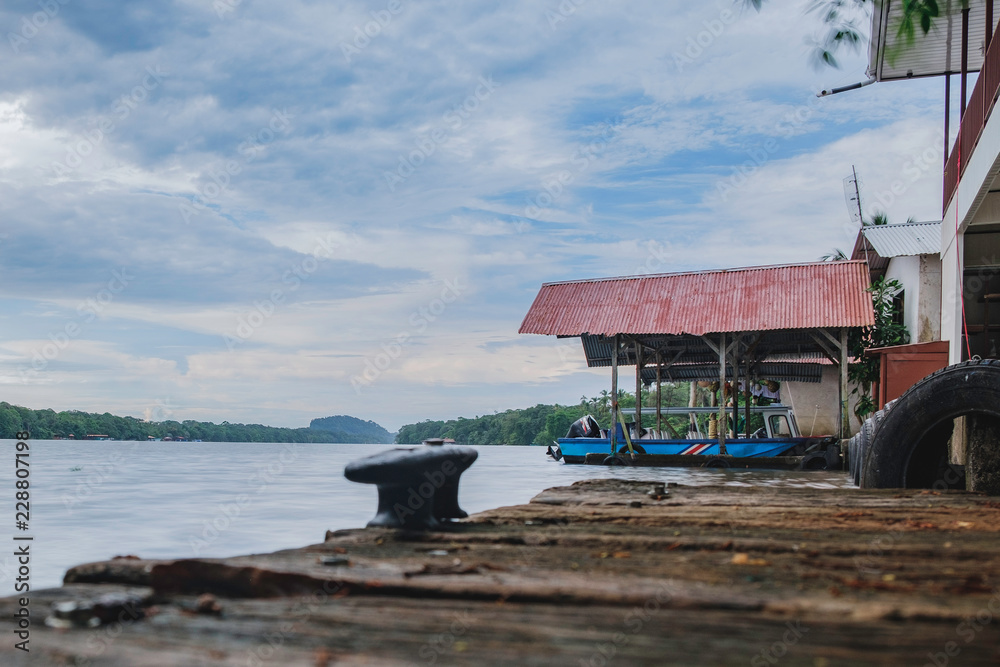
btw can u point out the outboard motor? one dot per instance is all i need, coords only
(584, 427)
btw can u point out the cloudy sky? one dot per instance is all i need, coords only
(268, 212)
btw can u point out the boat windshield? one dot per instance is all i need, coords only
(779, 426)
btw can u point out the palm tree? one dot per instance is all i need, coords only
(836, 256)
(880, 218)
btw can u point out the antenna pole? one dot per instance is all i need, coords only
(857, 195)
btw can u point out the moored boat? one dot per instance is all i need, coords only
(779, 435)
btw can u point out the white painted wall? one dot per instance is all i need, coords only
(951, 307)
(815, 404)
(920, 276)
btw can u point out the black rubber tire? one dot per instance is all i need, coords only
(638, 449)
(717, 462)
(908, 446)
(614, 461)
(865, 438)
(864, 441)
(813, 461)
(852, 457)
(833, 457)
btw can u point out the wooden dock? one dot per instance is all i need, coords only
(602, 572)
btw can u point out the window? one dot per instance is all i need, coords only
(981, 291)
(898, 306)
(779, 426)
(982, 311)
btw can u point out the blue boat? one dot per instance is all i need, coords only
(779, 436)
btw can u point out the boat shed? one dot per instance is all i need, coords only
(720, 324)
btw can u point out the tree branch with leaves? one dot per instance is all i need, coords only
(886, 331)
(843, 22)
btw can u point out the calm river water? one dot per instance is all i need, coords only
(95, 500)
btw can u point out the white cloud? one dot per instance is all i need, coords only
(593, 154)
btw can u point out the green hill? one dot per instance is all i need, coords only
(365, 431)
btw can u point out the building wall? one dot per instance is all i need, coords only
(816, 404)
(929, 306)
(951, 308)
(975, 202)
(920, 276)
(907, 271)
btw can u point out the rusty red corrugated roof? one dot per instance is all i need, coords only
(763, 298)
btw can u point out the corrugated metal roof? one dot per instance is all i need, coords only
(914, 238)
(765, 298)
(936, 53)
(864, 251)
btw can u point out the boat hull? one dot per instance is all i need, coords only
(575, 450)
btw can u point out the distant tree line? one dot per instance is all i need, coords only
(48, 424)
(541, 424)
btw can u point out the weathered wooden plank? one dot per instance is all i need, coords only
(639, 572)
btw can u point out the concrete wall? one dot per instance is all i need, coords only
(816, 405)
(928, 316)
(920, 276)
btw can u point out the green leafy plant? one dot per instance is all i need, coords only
(842, 19)
(886, 331)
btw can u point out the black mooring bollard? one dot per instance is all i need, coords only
(416, 487)
(446, 497)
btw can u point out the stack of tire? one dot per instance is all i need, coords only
(905, 444)
(860, 444)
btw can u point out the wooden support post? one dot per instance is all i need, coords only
(845, 417)
(947, 116)
(989, 26)
(693, 402)
(733, 393)
(659, 386)
(746, 398)
(722, 394)
(638, 388)
(965, 60)
(614, 393)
